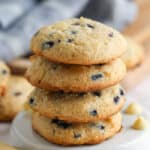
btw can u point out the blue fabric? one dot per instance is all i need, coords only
(19, 19)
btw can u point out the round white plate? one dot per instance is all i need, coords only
(128, 139)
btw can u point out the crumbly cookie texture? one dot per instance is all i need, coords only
(140, 124)
(133, 109)
(78, 41)
(78, 107)
(75, 78)
(6, 147)
(134, 55)
(4, 77)
(10, 104)
(60, 132)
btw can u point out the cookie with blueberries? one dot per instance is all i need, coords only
(16, 95)
(74, 78)
(78, 107)
(134, 55)
(4, 77)
(78, 41)
(63, 133)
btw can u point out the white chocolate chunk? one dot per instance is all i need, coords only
(133, 109)
(140, 124)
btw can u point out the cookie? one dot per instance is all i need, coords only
(75, 78)
(4, 77)
(60, 132)
(78, 41)
(134, 55)
(6, 147)
(12, 102)
(78, 107)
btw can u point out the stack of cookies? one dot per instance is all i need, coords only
(76, 70)
(14, 91)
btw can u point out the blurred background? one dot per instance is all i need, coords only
(20, 19)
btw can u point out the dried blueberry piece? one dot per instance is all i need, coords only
(100, 126)
(97, 93)
(90, 26)
(17, 93)
(93, 112)
(73, 32)
(111, 34)
(121, 92)
(77, 135)
(76, 24)
(59, 41)
(61, 123)
(31, 101)
(116, 99)
(97, 76)
(47, 45)
(69, 40)
(4, 72)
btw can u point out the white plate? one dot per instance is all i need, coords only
(128, 139)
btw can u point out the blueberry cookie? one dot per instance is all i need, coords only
(63, 133)
(12, 102)
(78, 41)
(75, 78)
(134, 54)
(4, 77)
(78, 107)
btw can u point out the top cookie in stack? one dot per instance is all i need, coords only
(77, 71)
(78, 41)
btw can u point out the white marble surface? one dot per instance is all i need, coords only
(141, 94)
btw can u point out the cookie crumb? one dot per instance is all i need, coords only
(140, 124)
(133, 109)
